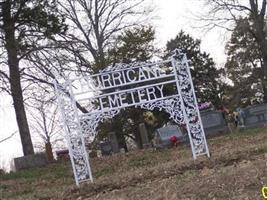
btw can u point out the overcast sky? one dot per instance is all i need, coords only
(172, 16)
(176, 15)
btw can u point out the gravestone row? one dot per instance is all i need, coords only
(213, 123)
(255, 115)
(112, 145)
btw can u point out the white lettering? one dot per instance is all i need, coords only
(141, 94)
(151, 92)
(123, 76)
(101, 102)
(160, 88)
(99, 84)
(113, 101)
(116, 78)
(129, 77)
(150, 72)
(132, 97)
(142, 75)
(157, 72)
(106, 79)
(123, 99)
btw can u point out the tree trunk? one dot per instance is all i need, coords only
(263, 48)
(264, 82)
(49, 152)
(21, 117)
(138, 140)
(260, 36)
(14, 79)
(121, 139)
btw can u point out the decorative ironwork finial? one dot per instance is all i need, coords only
(177, 53)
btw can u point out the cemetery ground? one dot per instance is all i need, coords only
(237, 169)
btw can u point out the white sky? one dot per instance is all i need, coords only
(176, 15)
(173, 15)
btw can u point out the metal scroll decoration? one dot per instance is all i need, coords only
(86, 101)
(171, 106)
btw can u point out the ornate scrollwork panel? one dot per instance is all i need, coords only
(170, 105)
(190, 105)
(89, 122)
(76, 149)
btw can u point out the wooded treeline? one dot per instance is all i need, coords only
(44, 40)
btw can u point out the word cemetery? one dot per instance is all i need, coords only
(127, 98)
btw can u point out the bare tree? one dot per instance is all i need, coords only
(94, 25)
(9, 137)
(26, 26)
(226, 13)
(45, 67)
(26, 43)
(44, 121)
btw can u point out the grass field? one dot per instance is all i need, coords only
(236, 170)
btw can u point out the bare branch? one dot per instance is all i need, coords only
(96, 23)
(4, 75)
(7, 138)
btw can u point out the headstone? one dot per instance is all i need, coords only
(106, 148)
(2, 172)
(63, 155)
(255, 115)
(213, 122)
(131, 144)
(30, 161)
(144, 135)
(163, 135)
(99, 154)
(122, 150)
(92, 154)
(114, 142)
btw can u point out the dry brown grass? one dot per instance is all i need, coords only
(236, 170)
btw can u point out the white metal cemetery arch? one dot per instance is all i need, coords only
(141, 85)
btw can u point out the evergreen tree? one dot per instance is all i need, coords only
(133, 45)
(244, 66)
(204, 73)
(253, 26)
